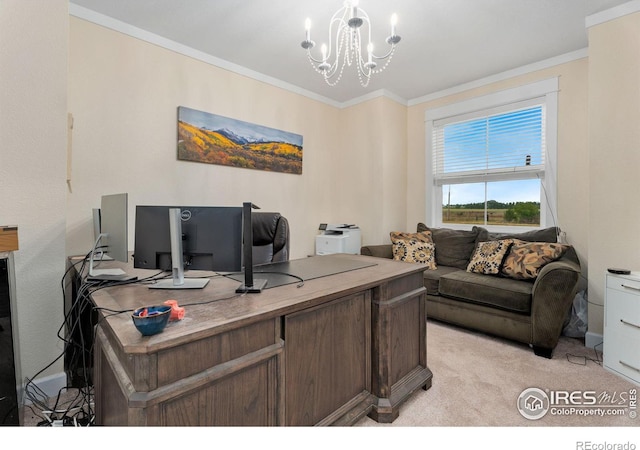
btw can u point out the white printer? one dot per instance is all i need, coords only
(338, 238)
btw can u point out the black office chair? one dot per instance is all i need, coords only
(270, 237)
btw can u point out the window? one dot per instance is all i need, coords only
(491, 160)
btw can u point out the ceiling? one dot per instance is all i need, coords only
(445, 43)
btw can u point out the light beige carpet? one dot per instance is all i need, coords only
(477, 380)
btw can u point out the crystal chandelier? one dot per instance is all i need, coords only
(349, 25)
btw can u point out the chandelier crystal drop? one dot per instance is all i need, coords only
(349, 25)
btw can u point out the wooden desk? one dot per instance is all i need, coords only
(336, 349)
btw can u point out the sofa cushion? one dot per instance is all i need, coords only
(525, 259)
(432, 278)
(542, 235)
(453, 247)
(504, 293)
(414, 248)
(488, 256)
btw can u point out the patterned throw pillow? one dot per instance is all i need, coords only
(414, 248)
(488, 256)
(525, 259)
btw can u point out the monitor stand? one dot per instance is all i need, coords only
(104, 274)
(104, 257)
(174, 283)
(177, 280)
(96, 233)
(250, 286)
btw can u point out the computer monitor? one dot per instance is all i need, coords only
(210, 240)
(113, 236)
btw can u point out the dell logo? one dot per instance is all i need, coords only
(185, 215)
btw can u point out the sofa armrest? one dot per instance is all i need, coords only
(380, 251)
(552, 296)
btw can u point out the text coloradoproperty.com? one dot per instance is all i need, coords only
(568, 411)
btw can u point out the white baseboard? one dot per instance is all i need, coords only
(593, 340)
(50, 385)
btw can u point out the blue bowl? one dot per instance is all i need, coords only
(150, 320)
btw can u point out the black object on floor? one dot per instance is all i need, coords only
(8, 397)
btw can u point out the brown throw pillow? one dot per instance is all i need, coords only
(525, 259)
(488, 256)
(414, 248)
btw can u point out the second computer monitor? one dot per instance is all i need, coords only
(211, 238)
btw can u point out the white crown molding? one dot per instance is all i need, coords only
(613, 13)
(507, 96)
(375, 94)
(138, 33)
(122, 27)
(523, 70)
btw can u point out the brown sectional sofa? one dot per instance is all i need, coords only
(530, 311)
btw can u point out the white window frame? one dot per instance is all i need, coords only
(547, 91)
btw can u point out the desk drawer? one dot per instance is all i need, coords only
(191, 358)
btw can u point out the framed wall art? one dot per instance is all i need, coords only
(212, 139)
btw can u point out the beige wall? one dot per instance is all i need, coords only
(369, 169)
(614, 153)
(124, 94)
(33, 119)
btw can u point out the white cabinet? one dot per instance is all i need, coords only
(621, 353)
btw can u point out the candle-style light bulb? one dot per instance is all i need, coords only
(324, 52)
(354, 8)
(370, 50)
(307, 28)
(394, 22)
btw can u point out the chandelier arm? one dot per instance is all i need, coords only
(329, 49)
(361, 62)
(339, 21)
(389, 53)
(335, 64)
(333, 22)
(386, 63)
(330, 71)
(311, 58)
(326, 77)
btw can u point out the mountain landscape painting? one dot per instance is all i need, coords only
(213, 139)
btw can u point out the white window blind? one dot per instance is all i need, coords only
(502, 143)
